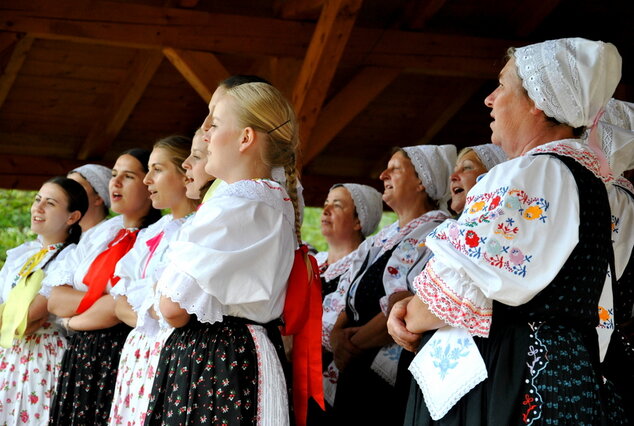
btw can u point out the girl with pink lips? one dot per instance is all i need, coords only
(32, 343)
(80, 293)
(139, 271)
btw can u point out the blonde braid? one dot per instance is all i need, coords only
(291, 188)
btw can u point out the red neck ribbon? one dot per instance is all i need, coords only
(302, 319)
(152, 245)
(101, 271)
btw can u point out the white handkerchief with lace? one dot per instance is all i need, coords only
(447, 367)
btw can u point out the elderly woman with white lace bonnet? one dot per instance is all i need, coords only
(416, 183)
(510, 294)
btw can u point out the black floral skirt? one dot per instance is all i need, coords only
(87, 380)
(207, 374)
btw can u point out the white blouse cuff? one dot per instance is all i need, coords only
(184, 290)
(454, 298)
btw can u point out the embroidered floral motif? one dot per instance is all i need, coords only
(624, 183)
(606, 318)
(446, 356)
(507, 210)
(537, 360)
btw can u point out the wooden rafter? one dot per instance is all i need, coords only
(346, 105)
(322, 59)
(202, 70)
(12, 69)
(150, 27)
(422, 12)
(28, 172)
(7, 39)
(299, 9)
(529, 15)
(121, 105)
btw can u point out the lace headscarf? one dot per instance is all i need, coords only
(434, 164)
(490, 155)
(369, 205)
(617, 135)
(98, 177)
(570, 79)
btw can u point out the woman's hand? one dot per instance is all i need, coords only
(343, 349)
(397, 328)
(418, 317)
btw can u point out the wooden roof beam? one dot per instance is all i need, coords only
(529, 15)
(150, 27)
(418, 13)
(29, 172)
(121, 106)
(20, 50)
(299, 9)
(202, 70)
(7, 39)
(322, 59)
(364, 87)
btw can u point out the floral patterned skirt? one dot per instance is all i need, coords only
(137, 369)
(28, 376)
(89, 371)
(213, 374)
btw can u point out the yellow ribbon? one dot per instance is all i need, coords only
(15, 311)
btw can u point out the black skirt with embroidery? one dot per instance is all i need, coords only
(207, 374)
(87, 380)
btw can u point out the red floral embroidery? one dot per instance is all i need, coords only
(472, 239)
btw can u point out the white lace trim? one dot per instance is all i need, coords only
(272, 395)
(625, 184)
(184, 290)
(270, 192)
(548, 84)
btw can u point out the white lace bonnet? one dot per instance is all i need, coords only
(433, 164)
(490, 155)
(617, 135)
(98, 177)
(570, 79)
(369, 205)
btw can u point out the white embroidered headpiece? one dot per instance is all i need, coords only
(490, 155)
(617, 135)
(369, 205)
(98, 177)
(570, 79)
(434, 164)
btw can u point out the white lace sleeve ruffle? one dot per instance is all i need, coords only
(184, 290)
(56, 263)
(13, 263)
(518, 228)
(238, 250)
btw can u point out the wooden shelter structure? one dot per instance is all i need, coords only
(82, 80)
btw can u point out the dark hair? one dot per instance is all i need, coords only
(238, 79)
(77, 201)
(143, 155)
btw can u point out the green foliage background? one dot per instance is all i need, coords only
(15, 222)
(15, 219)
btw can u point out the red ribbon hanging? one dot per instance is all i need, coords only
(101, 269)
(152, 244)
(302, 319)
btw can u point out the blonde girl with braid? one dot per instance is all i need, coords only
(225, 282)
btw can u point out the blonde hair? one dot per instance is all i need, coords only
(263, 108)
(464, 151)
(178, 148)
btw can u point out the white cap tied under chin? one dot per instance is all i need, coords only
(98, 177)
(570, 79)
(490, 155)
(434, 164)
(617, 135)
(368, 203)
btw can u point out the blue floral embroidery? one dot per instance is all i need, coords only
(446, 358)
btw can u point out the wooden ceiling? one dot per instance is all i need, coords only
(83, 80)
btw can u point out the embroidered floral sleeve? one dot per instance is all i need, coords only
(515, 233)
